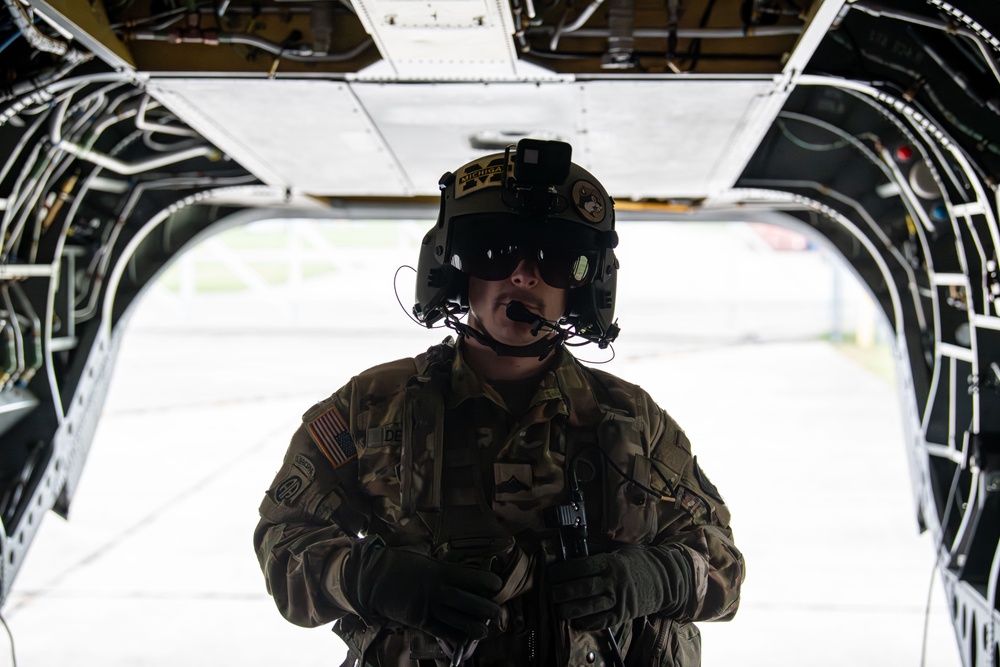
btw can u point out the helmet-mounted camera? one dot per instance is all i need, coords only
(539, 168)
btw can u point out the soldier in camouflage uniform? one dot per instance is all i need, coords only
(492, 501)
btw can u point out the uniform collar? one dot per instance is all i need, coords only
(566, 387)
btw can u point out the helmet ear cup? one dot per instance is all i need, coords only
(603, 297)
(591, 309)
(432, 280)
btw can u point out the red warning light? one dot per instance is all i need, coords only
(904, 153)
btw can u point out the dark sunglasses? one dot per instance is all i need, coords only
(490, 246)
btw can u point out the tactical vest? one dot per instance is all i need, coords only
(427, 475)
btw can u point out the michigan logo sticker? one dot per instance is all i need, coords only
(589, 202)
(475, 176)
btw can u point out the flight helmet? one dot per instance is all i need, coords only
(531, 201)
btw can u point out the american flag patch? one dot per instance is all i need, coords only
(330, 433)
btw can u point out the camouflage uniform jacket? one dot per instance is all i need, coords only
(424, 455)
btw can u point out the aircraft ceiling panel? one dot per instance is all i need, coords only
(369, 139)
(434, 128)
(311, 136)
(672, 139)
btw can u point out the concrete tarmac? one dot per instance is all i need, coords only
(155, 565)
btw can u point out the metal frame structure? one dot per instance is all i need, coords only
(128, 135)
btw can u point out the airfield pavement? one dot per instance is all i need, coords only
(155, 566)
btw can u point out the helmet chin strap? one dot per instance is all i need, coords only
(517, 312)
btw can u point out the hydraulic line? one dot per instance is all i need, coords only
(99, 266)
(8, 349)
(132, 168)
(59, 198)
(921, 145)
(924, 126)
(33, 353)
(529, 9)
(560, 30)
(47, 93)
(982, 142)
(47, 76)
(35, 37)
(140, 121)
(885, 165)
(17, 198)
(299, 54)
(25, 138)
(664, 33)
(52, 170)
(113, 164)
(958, 77)
(25, 198)
(172, 16)
(18, 340)
(876, 10)
(875, 160)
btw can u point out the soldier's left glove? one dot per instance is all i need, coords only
(607, 590)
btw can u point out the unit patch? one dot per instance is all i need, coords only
(302, 474)
(289, 489)
(589, 202)
(329, 432)
(306, 466)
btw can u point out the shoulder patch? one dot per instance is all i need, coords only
(288, 490)
(305, 466)
(301, 475)
(706, 483)
(330, 433)
(589, 202)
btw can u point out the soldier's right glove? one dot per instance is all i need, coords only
(449, 601)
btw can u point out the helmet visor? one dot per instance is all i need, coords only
(490, 246)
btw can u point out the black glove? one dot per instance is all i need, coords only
(606, 590)
(449, 601)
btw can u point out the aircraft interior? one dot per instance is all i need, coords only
(131, 130)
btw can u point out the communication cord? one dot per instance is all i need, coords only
(13, 656)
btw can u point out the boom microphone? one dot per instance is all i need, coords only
(518, 312)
